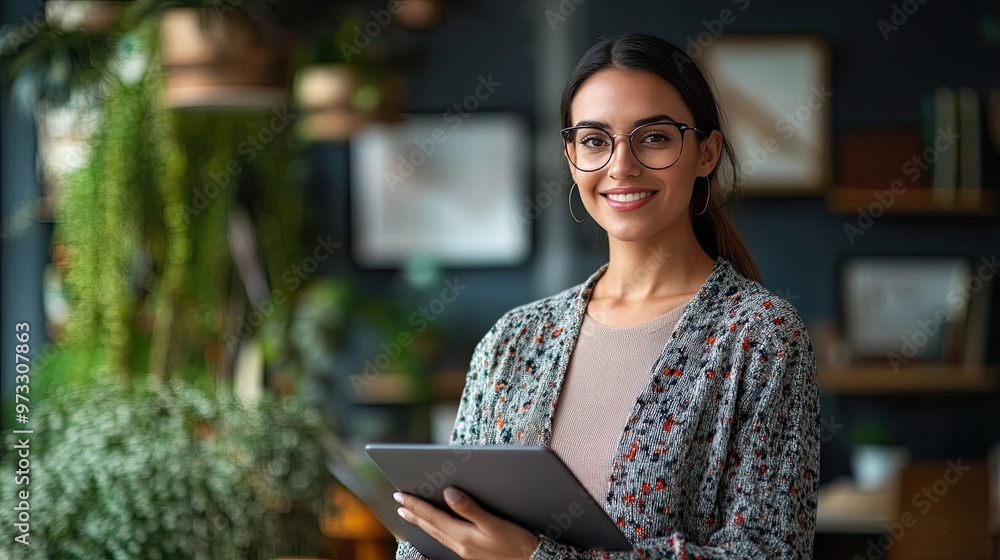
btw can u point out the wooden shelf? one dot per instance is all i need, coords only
(843, 508)
(881, 379)
(913, 201)
(385, 388)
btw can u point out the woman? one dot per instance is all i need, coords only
(714, 376)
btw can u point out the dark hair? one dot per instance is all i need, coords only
(635, 51)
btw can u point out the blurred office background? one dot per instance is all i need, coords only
(333, 205)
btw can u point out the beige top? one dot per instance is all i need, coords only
(608, 369)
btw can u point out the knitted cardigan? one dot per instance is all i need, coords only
(720, 458)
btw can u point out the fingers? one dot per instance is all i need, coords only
(513, 540)
(479, 535)
(431, 529)
(440, 525)
(462, 504)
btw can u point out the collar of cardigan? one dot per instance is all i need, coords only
(724, 276)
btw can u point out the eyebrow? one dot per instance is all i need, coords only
(638, 123)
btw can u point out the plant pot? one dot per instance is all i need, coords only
(215, 59)
(94, 16)
(875, 466)
(419, 14)
(327, 95)
(335, 101)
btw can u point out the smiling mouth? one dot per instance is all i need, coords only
(628, 197)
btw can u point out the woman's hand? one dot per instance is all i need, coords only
(480, 536)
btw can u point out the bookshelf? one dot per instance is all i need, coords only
(967, 202)
(868, 379)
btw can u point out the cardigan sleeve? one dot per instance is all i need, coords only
(468, 421)
(767, 496)
(405, 551)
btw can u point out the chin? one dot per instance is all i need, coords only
(630, 232)
(630, 229)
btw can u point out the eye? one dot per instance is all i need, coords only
(656, 137)
(594, 141)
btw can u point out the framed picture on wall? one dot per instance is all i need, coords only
(448, 189)
(775, 93)
(904, 308)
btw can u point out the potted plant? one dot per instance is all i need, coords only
(875, 457)
(338, 91)
(149, 470)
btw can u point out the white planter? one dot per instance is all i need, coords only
(875, 466)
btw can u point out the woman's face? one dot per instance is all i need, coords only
(618, 101)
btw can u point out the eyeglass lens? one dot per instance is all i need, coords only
(655, 145)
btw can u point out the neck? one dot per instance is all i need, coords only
(670, 264)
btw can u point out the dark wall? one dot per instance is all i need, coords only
(23, 252)
(797, 242)
(876, 84)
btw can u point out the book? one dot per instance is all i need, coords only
(945, 172)
(977, 325)
(969, 157)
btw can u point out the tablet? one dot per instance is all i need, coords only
(529, 486)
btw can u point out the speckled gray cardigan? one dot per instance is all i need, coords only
(721, 456)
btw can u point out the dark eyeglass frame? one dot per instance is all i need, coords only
(566, 133)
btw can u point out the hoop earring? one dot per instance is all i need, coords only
(571, 205)
(708, 196)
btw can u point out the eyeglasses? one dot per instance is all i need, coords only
(656, 145)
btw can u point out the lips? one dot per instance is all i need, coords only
(627, 199)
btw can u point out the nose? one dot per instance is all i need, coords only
(623, 162)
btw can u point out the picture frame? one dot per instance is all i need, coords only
(902, 308)
(446, 187)
(775, 92)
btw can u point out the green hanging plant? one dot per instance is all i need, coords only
(151, 280)
(100, 223)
